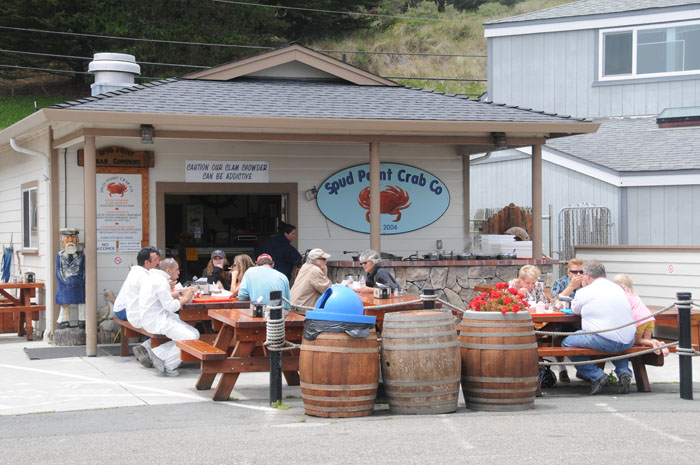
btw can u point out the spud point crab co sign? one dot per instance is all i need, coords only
(410, 198)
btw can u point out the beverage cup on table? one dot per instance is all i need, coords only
(540, 307)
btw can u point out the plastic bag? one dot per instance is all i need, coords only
(547, 377)
(312, 328)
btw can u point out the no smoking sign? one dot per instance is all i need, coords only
(117, 260)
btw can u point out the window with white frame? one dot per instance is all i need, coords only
(30, 230)
(649, 51)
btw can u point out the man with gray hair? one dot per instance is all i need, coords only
(158, 315)
(602, 304)
(312, 280)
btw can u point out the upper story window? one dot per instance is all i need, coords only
(30, 230)
(649, 51)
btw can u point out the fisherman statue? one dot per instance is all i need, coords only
(70, 274)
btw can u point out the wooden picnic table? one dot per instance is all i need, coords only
(670, 318)
(242, 336)
(409, 303)
(22, 307)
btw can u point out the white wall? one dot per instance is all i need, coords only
(657, 273)
(307, 165)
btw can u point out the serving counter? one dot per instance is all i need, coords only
(453, 280)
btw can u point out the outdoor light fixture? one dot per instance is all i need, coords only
(147, 134)
(499, 138)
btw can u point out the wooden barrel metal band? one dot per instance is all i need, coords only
(418, 335)
(423, 346)
(340, 349)
(495, 325)
(338, 399)
(339, 387)
(499, 346)
(321, 408)
(488, 400)
(481, 379)
(518, 334)
(420, 383)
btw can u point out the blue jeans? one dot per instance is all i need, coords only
(121, 314)
(597, 342)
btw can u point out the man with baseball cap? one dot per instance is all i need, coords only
(312, 280)
(259, 280)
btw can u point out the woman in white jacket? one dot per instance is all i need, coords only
(159, 315)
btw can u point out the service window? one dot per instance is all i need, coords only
(30, 230)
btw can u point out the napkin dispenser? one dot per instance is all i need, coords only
(382, 292)
(257, 309)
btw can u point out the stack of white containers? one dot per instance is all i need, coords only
(494, 244)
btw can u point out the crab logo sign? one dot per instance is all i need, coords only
(410, 198)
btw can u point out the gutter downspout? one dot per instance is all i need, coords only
(48, 301)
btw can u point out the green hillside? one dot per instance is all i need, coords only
(451, 32)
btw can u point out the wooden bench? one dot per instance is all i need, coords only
(128, 331)
(201, 350)
(638, 363)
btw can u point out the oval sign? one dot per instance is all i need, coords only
(410, 198)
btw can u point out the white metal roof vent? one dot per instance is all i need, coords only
(113, 71)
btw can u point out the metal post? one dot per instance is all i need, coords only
(275, 355)
(683, 301)
(428, 304)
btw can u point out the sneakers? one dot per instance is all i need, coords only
(142, 356)
(564, 376)
(624, 384)
(599, 384)
(157, 362)
(173, 372)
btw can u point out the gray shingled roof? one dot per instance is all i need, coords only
(594, 7)
(635, 144)
(303, 99)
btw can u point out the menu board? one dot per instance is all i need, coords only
(119, 208)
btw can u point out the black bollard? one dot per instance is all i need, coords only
(275, 355)
(428, 304)
(683, 300)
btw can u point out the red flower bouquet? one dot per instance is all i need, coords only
(502, 299)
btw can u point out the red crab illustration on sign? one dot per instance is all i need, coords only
(116, 188)
(392, 200)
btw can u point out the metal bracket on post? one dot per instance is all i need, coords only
(683, 302)
(275, 355)
(428, 298)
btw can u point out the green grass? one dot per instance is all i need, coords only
(280, 406)
(16, 108)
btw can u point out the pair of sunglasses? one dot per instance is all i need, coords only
(576, 271)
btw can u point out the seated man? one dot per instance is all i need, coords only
(261, 279)
(312, 280)
(158, 315)
(602, 304)
(126, 306)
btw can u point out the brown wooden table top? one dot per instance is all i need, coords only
(242, 318)
(21, 285)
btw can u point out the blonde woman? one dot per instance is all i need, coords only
(645, 328)
(525, 284)
(240, 264)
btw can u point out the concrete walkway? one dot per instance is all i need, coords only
(83, 383)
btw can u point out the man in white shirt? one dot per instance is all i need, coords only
(126, 306)
(159, 315)
(602, 304)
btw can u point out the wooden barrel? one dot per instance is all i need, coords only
(421, 362)
(339, 375)
(499, 361)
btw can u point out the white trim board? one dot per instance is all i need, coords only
(576, 24)
(662, 178)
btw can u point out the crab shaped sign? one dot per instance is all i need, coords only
(410, 198)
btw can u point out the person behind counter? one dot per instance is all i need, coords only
(525, 284)
(240, 265)
(370, 260)
(280, 248)
(214, 272)
(312, 280)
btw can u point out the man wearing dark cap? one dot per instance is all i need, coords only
(259, 280)
(312, 280)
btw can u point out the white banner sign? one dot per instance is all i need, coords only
(129, 246)
(226, 171)
(119, 208)
(106, 247)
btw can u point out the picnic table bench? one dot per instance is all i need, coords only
(22, 307)
(238, 348)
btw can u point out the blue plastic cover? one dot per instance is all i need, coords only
(339, 303)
